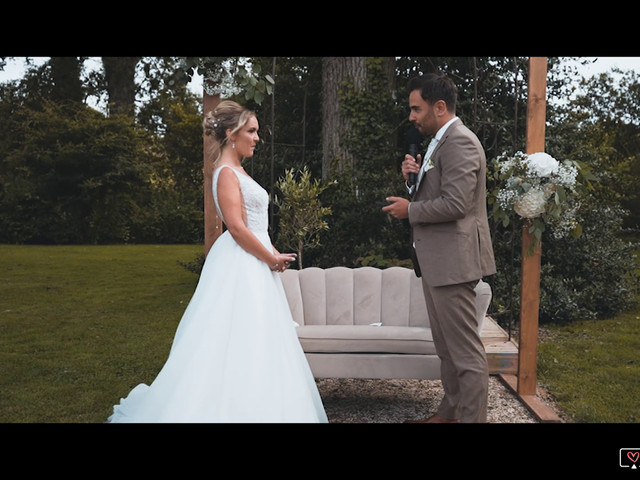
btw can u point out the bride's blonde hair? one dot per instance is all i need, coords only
(228, 115)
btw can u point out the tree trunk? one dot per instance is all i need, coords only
(66, 79)
(300, 248)
(119, 75)
(335, 72)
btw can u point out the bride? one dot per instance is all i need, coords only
(235, 356)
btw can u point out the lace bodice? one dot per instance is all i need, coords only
(255, 199)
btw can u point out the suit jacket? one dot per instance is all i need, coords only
(448, 212)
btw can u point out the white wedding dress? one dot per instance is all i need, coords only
(235, 356)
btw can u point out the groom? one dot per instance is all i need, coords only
(450, 231)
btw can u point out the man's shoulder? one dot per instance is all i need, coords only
(459, 129)
(461, 136)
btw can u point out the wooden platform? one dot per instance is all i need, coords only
(502, 353)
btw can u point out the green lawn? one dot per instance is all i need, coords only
(593, 368)
(82, 325)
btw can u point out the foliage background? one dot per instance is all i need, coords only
(70, 174)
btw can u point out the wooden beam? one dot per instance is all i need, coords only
(530, 281)
(212, 222)
(539, 409)
(537, 104)
(529, 307)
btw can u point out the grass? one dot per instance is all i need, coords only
(80, 326)
(592, 368)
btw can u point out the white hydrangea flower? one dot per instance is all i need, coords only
(531, 204)
(538, 186)
(542, 164)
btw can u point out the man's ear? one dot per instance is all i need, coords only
(440, 107)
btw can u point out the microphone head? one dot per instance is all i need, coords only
(413, 136)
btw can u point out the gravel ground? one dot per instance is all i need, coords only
(351, 400)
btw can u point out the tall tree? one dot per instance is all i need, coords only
(336, 72)
(119, 75)
(65, 72)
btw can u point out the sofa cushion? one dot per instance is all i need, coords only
(365, 339)
(361, 296)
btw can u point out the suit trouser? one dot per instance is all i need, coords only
(464, 371)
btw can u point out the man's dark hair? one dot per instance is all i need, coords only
(434, 87)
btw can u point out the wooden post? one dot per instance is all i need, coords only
(530, 281)
(529, 306)
(525, 386)
(212, 222)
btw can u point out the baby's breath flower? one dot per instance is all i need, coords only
(537, 186)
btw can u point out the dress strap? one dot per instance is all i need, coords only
(214, 185)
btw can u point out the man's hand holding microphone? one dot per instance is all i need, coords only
(399, 207)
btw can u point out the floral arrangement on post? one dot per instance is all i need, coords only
(542, 191)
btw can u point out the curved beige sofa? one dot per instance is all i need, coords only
(366, 322)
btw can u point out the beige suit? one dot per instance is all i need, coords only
(450, 231)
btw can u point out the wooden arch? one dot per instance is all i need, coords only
(524, 385)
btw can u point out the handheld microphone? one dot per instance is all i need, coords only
(413, 140)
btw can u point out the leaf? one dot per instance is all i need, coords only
(577, 231)
(537, 233)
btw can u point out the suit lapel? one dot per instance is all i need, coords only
(450, 129)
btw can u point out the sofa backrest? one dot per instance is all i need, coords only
(363, 296)
(359, 296)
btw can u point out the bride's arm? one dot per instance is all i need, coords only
(230, 201)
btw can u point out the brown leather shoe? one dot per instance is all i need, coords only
(433, 419)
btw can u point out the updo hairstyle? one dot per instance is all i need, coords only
(228, 115)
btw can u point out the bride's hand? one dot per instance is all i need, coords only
(283, 260)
